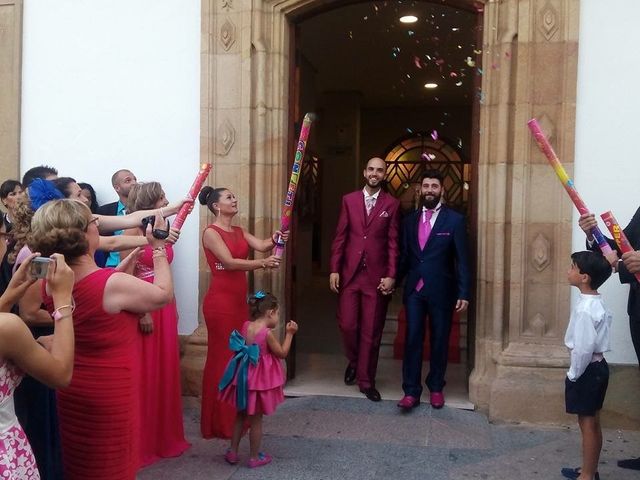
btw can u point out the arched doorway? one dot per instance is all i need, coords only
(363, 113)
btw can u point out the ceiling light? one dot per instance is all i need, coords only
(408, 19)
(430, 85)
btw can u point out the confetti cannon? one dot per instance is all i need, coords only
(287, 207)
(186, 208)
(618, 235)
(567, 183)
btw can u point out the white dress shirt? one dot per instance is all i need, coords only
(587, 333)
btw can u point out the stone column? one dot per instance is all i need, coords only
(10, 86)
(524, 217)
(242, 134)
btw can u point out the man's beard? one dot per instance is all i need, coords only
(376, 185)
(431, 203)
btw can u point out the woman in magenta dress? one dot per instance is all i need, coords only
(161, 428)
(99, 410)
(20, 353)
(225, 303)
(254, 378)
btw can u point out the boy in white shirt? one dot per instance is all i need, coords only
(587, 338)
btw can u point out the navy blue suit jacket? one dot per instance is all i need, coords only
(442, 264)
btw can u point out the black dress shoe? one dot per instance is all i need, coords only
(631, 463)
(372, 394)
(350, 375)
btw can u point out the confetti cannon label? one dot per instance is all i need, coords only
(567, 183)
(205, 168)
(287, 207)
(618, 235)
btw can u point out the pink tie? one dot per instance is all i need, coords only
(424, 230)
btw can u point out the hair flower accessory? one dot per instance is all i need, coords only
(41, 191)
(260, 294)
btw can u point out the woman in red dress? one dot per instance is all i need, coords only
(161, 427)
(98, 411)
(225, 303)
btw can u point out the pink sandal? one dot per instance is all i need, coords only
(263, 459)
(231, 457)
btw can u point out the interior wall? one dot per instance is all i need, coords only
(606, 166)
(382, 126)
(110, 85)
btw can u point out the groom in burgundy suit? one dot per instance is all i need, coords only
(363, 269)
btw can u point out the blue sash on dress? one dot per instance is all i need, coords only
(240, 362)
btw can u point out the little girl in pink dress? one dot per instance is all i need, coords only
(254, 379)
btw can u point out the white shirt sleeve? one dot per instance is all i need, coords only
(584, 344)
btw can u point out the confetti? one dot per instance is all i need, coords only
(507, 54)
(477, 52)
(350, 34)
(409, 130)
(459, 143)
(365, 18)
(495, 66)
(416, 60)
(427, 157)
(453, 74)
(434, 135)
(470, 62)
(454, 29)
(411, 33)
(459, 84)
(465, 186)
(479, 71)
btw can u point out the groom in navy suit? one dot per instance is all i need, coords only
(433, 256)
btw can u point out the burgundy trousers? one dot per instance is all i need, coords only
(362, 310)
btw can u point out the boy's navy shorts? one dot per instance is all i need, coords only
(585, 396)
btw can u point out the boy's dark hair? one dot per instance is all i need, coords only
(433, 173)
(593, 264)
(260, 303)
(41, 171)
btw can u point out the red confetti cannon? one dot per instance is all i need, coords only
(205, 168)
(287, 207)
(618, 234)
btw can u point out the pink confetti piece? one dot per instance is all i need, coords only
(453, 74)
(416, 61)
(507, 54)
(427, 157)
(434, 135)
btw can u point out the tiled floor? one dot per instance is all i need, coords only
(322, 374)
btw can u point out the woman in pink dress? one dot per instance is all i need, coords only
(99, 410)
(254, 379)
(19, 353)
(161, 427)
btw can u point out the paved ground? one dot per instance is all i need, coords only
(348, 438)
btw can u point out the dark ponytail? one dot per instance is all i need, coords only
(209, 195)
(260, 303)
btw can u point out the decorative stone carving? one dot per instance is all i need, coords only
(226, 137)
(227, 34)
(547, 125)
(548, 21)
(540, 252)
(227, 5)
(536, 324)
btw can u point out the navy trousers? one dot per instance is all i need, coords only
(417, 307)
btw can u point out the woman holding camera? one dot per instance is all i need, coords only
(99, 411)
(162, 430)
(225, 303)
(19, 353)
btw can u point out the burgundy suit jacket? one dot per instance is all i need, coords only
(373, 237)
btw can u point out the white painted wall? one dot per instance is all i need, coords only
(607, 171)
(110, 85)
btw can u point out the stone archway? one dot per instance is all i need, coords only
(524, 234)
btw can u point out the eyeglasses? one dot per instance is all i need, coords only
(95, 220)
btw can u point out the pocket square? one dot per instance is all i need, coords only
(384, 214)
(444, 234)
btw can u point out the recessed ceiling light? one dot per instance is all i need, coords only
(430, 85)
(408, 19)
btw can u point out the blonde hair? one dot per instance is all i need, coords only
(144, 196)
(60, 226)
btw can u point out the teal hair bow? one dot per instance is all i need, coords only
(246, 354)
